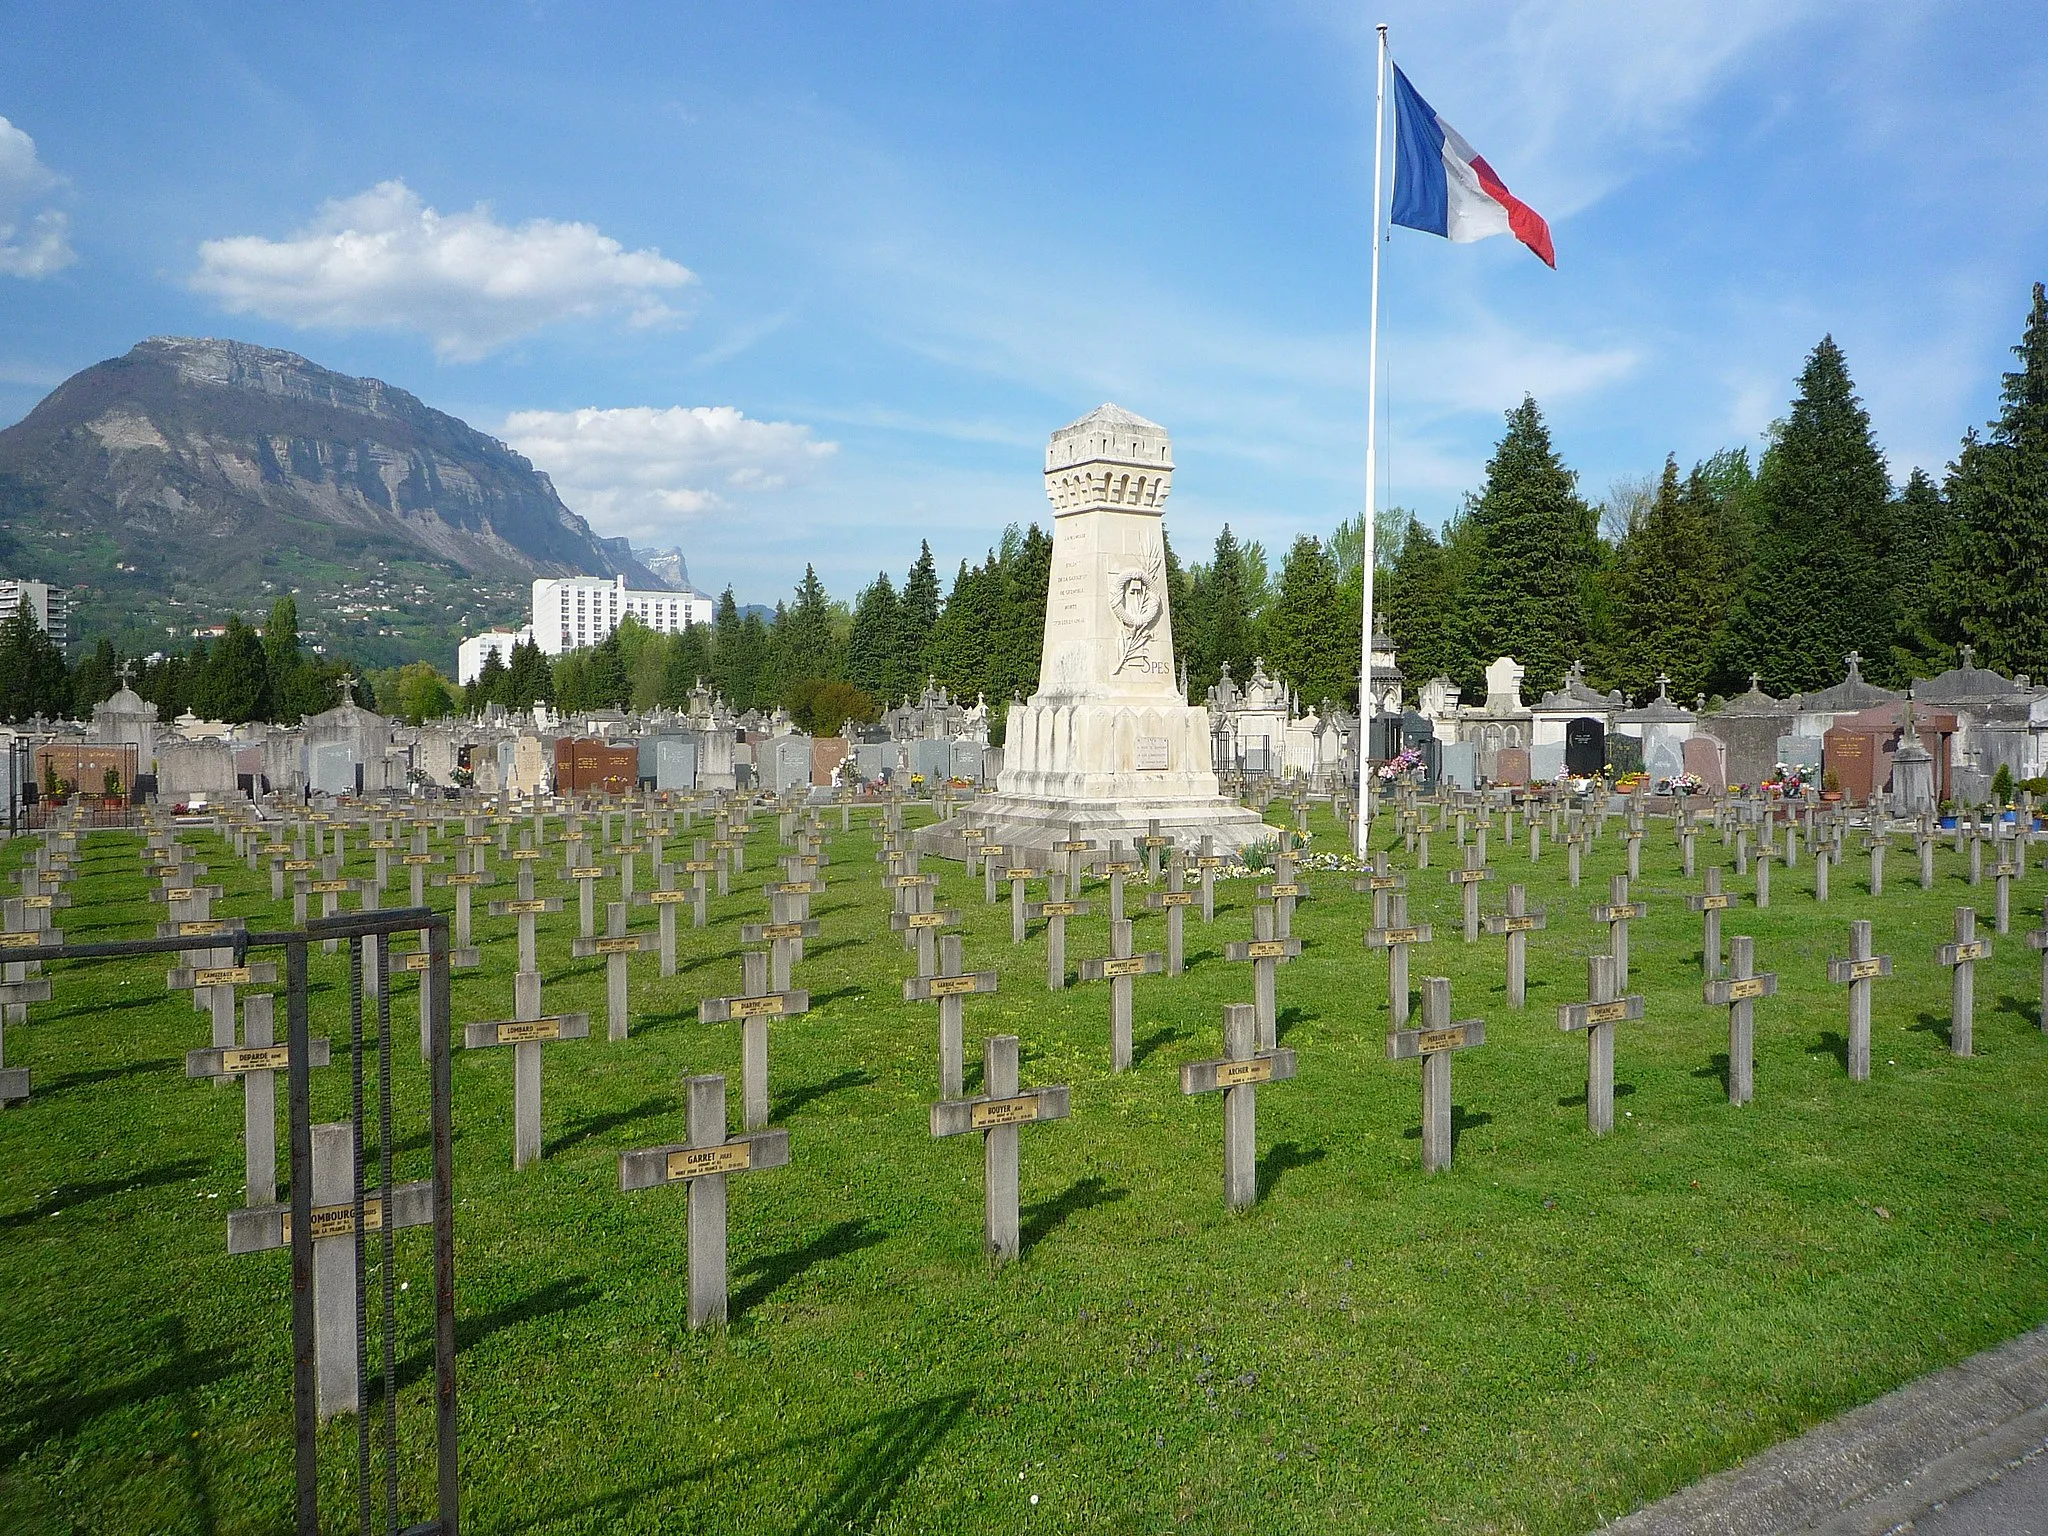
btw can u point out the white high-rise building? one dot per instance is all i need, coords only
(469, 657)
(50, 605)
(572, 611)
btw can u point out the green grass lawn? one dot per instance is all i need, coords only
(1553, 1332)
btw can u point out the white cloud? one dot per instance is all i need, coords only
(383, 260)
(639, 471)
(34, 238)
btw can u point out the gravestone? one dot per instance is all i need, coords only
(1859, 970)
(1961, 957)
(1737, 992)
(1597, 1016)
(1585, 747)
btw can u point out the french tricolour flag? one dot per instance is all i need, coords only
(1443, 186)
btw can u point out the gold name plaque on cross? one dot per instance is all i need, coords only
(699, 1162)
(950, 986)
(1235, 1074)
(255, 1058)
(1606, 1013)
(223, 976)
(1133, 965)
(1745, 988)
(991, 1113)
(517, 1031)
(1429, 1040)
(757, 1007)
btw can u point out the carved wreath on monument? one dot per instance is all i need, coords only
(1138, 601)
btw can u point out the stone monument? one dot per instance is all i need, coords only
(1109, 743)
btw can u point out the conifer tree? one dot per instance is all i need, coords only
(1992, 585)
(1225, 634)
(1308, 643)
(33, 680)
(920, 609)
(1819, 583)
(1666, 593)
(958, 650)
(803, 636)
(1536, 546)
(1415, 605)
(873, 658)
(95, 678)
(231, 685)
(529, 680)
(1921, 531)
(488, 686)
(1014, 655)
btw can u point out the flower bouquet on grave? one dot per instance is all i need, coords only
(1682, 784)
(1787, 779)
(1406, 761)
(916, 781)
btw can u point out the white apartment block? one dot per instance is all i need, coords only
(469, 657)
(51, 606)
(572, 611)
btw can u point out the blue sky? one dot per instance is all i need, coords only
(781, 283)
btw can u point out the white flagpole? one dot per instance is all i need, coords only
(1372, 418)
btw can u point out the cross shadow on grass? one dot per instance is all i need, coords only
(813, 949)
(144, 999)
(1621, 1091)
(1288, 1019)
(1461, 1122)
(1194, 958)
(66, 1196)
(1282, 1158)
(1042, 1218)
(596, 1125)
(773, 1271)
(1928, 1024)
(32, 1416)
(1716, 1067)
(567, 1294)
(1141, 1049)
(1831, 1043)
(107, 1074)
(800, 1098)
(2027, 1011)
(819, 999)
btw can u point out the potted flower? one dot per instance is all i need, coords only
(1831, 787)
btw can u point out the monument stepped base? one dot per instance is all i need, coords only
(1034, 825)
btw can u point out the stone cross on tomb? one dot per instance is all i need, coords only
(1379, 882)
(1118, 968)
(997, 1113)
(1738, 992)
(756, 1005)
(949, 988)
(337, 1217)
(704, 1162)
(1468, 879)
(1174, 901)
(1858, 971)
(1395, 936)
(257, 1061)
(617, 947)
(1433, 1043)
(1056, 909)
(1517, 923)
(1236, 1075)
(526, 1034)
(1597, 1016)
(1961, 957)
(1617, 914)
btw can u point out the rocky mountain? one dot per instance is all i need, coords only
(669, 567)
(191, 474)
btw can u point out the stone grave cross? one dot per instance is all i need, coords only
(1174, 901)
(1266, 952)
(617, 947)
(1236, 1075)
(1961, 957)
(1468, 879)
(1597, 1016)
(1395, 936)
(1118, 968)
(704, 1162)
(1858, 971)
(1517, 923)
(1738, 992)
(753, 1008)
(949, 989)
(1617, 914)
(997, 1113)
(1433, 1043)
(1056, 909)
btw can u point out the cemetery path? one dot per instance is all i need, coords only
(1961, 1452)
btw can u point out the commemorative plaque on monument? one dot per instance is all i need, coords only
(1108, 744)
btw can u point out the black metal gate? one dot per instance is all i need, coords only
(376, 1054)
